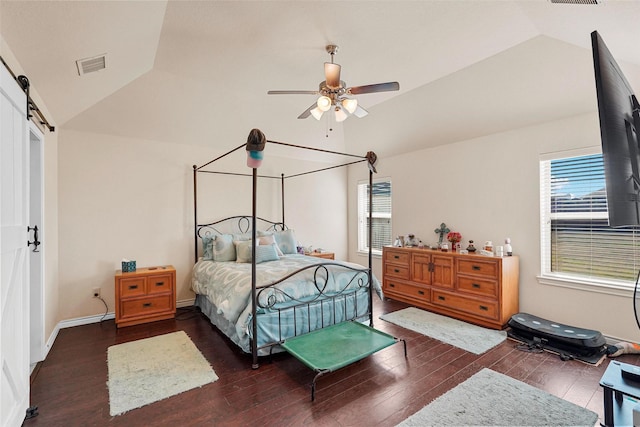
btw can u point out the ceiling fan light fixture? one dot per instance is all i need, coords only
(341, 116)
(317, 113)
(324, 103)
(350, 105)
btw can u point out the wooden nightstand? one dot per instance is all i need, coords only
(325, 255)
(145, 295)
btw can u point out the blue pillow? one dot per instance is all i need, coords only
(223, 249)
(207, 247)
(286, 241)
(266, 253)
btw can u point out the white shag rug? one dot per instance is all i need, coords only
(145, 371)
(466, 336)
(489, 398)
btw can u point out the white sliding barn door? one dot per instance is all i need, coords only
(14, 262)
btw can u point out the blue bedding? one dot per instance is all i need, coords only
(226, 287)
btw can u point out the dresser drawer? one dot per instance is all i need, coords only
(478, 286)
(396, 257)
(406, 289)
(132, 287)
(473, 306)
(144, 306)
(160, 283)
(479, 267)
(398, 271)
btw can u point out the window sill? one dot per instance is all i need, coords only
(604, 287)
(366, 253)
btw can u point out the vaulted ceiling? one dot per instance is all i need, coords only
(198, 72)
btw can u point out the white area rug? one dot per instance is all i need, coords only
(492, 399)
(463, 335)
(152, 369)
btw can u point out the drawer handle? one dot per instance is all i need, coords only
(475, 285)
(484, 307)
(441, 298)
(133, 287)
(159, 283)
(421, 292)
(396, 256)
(475, 267)
(396, 271)
(391, 285)
(147, 304)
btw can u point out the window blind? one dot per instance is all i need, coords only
(381, 215)
(576, 238)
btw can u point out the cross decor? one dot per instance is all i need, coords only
(441, 231)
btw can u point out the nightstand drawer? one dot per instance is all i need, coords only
(144, 306)
(132, 287)
(324, 255)
(145, 295)
(159, 284)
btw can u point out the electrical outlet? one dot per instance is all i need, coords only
(96, 292)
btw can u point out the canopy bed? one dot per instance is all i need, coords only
(254, 286)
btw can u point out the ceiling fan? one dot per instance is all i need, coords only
(334, 93)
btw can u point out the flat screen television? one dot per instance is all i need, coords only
(619, 114)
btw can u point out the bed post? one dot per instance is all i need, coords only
(195, 214)
(254, 319)
(282, 197)
(370, 250)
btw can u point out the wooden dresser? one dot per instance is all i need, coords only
(145, 295)
(474, 288)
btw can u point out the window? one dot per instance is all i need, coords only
(381, 215)
(576, 240)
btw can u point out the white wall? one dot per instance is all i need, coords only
(488, 189)
(133, 198)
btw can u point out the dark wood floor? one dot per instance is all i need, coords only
(69, 387)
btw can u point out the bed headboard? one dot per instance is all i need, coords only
(237, 224)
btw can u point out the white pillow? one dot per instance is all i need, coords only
(263, 252)
(243, 250)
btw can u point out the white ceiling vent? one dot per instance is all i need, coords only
(90, 65)
(577, 1)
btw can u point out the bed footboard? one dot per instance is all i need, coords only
(283, 315)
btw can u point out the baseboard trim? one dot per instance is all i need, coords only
(87, 320)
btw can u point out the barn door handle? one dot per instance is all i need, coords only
(35, 242)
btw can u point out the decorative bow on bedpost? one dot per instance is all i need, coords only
(255, 147)
(372, 159)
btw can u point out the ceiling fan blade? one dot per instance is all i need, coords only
(379, 87)
(306, 113)
(332, 75)
(360, 112)
(293, 92)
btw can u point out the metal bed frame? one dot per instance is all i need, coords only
(333, 331)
